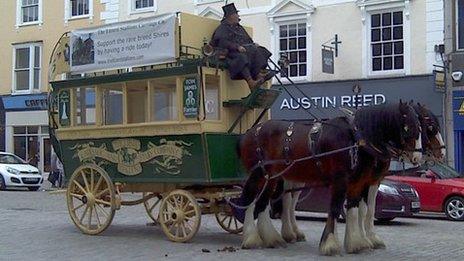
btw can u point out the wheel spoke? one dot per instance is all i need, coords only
(222, 220)
(177, 230)
(84, 176)
(230, 222)
(183, 229)
(92, 180)
(98, 218)
(102, 192)
(190, 212)
(83, 214)
(103, 210)
(100, 201)
(235, 221)
(78, 207)
(79, 186)
(78, 196)
(89, 224)
(98, 184)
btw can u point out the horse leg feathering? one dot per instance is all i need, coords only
(295, 196)
(287, 231)
(369, 220)
(271, 238)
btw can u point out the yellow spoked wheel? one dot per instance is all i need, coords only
(229, 222)
(150, 206)
(180, 216)
(91, 199)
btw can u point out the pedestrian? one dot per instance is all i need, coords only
(56, 176)
(245, 59)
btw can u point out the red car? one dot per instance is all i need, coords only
(440, 188)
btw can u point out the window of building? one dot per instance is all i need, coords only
(143, 5)
(460, 24)
(26, 142)
(387, 41)
(112, 96)
(164, 100)
(27, 61)
(79, 7)
(28, 12)
(292, 43)
(85, 106)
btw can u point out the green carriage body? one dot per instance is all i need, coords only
(207, 158)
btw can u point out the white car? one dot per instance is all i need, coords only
(15, 172)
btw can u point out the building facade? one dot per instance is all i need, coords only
(390, 48)
(454, 49)
(30, 29)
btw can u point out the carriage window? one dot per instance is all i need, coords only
(112, 104)
(212, 97)
(164, 100)
(85, 101)
(137, 94)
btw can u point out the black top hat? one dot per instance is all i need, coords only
(229, 9)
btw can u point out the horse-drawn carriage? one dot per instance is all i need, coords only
(167, 131)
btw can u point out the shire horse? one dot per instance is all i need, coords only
(376, 168)
(282, 149)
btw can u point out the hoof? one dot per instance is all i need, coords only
(377, 243)
(356, 244)
(330, 247)
(275, 242)
(289, 236)
(252, 242)
(300, 237)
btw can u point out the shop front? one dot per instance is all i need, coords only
(26, 128)
(323, 99)
(458, 123)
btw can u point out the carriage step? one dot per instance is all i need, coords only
(258, 98)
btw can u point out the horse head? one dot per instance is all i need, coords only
(432, 140)
(410, 132)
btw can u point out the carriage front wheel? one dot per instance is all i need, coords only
(91, 199)
(180, 216)
(228, 221)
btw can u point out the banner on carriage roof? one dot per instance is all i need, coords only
(121, 45)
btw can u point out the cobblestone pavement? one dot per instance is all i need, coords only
(36, 226)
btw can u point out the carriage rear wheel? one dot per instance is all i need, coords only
(180, 216)
(229, 222)
(150, 206)
(91, 199)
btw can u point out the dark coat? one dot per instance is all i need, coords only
(241, 65)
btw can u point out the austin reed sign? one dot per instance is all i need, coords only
(127, 44)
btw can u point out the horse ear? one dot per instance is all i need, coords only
(411, 102)
(401, 102)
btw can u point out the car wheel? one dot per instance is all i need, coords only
(385, 219)
(33, 188)
(2, 183)
(454, 208)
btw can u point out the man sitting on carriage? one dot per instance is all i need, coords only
(246, 60)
